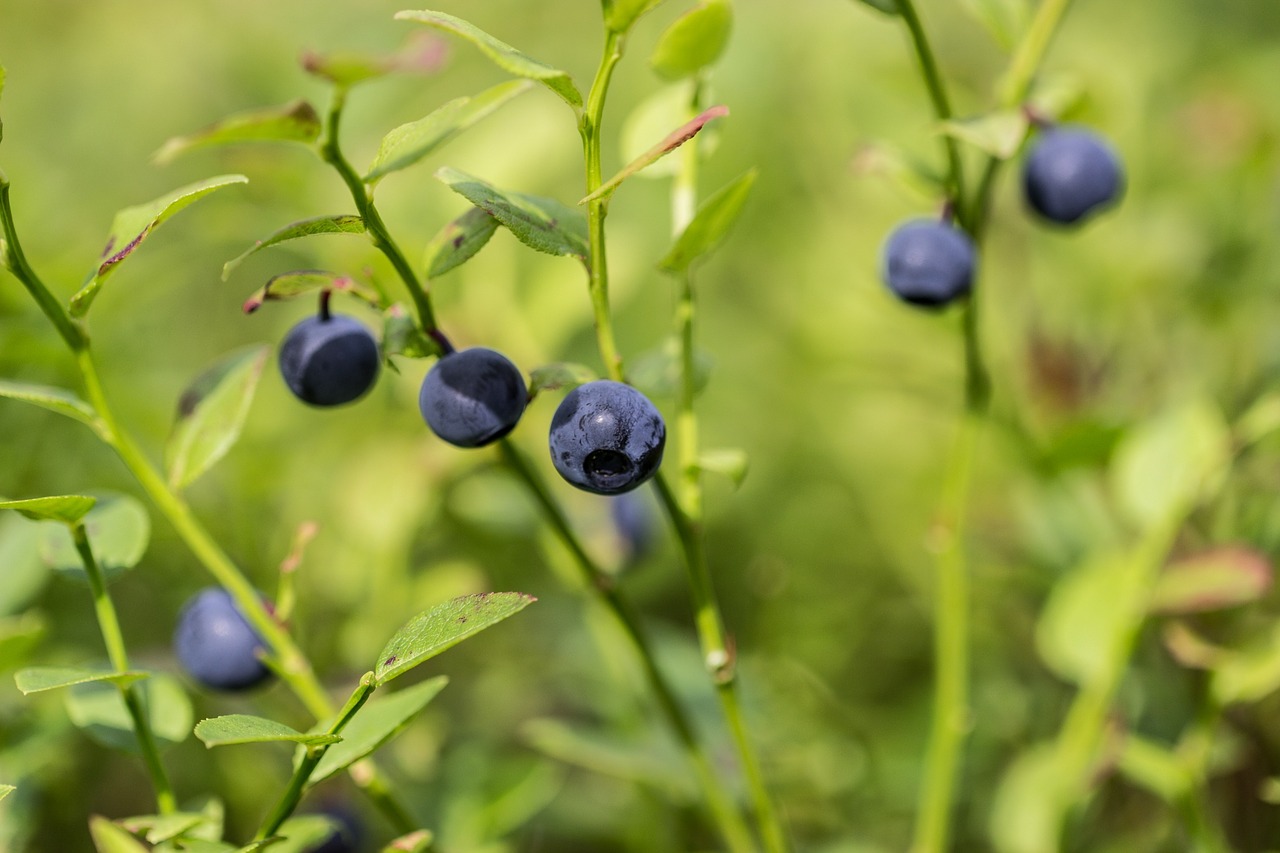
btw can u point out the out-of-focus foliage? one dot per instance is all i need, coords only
(843, 399)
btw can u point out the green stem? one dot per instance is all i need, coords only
(71, 331)
(941, 102)
(361, 194)
(719, 800)
(598, 209)
(720, 660)
(113, 638)
(298, 782)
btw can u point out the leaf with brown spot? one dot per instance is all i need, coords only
(296, 121)
(669, 143)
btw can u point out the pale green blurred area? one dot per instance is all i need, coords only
(844, 399)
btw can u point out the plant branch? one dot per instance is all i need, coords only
(14, 259)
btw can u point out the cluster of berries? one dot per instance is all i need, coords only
(1069, 175)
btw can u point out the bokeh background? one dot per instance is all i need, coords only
(844, 400)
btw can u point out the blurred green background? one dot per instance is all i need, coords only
(844, 400)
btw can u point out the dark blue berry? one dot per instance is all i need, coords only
(929, 263)
(606, 437)
(633, 516)
(347, 834)
(1070, 174)
(473, 397)
(216, 645)
(328, 361)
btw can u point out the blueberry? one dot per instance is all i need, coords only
(633, 516)
(1071, 173)
(347, 834)
(929, 263)
(606, 437)
(473, 397)
(216, 645)
(328, 361)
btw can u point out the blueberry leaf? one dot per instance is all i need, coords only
(134, 224)
(301, 834)
(709, 225)
(99, 711)
(110, 838)
(346, 69)
(459, 241)
(342, 223)
(411, 142)
(666, 108)
(503, 55)
(5, 790)
(401, 335)
(658, 372)
(196, 845)
(693, 41)
(38, 679)
(1248, 674)
(418, 841)
(243, 728)
(295, 121)
(619, 15)
(288, 285)
(728, 461)
(54, 399)
(19, 637)
(118, 528)
(648, 762)
(921, 181)
(68, 509)
(665, 146)
(558, 376)
(380, 720)
(889, 7)
(1213, 580)
(543, 224)
(160, 828)
(211, 414)
(1005, 20)
(999, 134)
(443, 627)
(1157, 768)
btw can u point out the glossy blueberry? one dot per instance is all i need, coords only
(328, 361)
(1070, 174)
(473, 397)
(929, 263)
(216, 645)
(606, 437)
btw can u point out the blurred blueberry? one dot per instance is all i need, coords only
(216, 645)
(928, 263)
(1070, 174)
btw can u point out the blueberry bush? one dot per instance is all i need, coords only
(983, 293)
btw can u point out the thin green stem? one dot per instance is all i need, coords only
(598, 209)
(113, 638)
(719, 800)
(298, 782)
(941, 102)
(71, 331)
(331, 152)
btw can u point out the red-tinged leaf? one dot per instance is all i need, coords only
(422, 54)
(301, 282)
(1190, 649)
(1213, 580)
(671, 142)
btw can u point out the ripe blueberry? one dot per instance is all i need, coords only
(1071, 173)
(606, 437)
(329, 360)
(347, 833)
(633, 517)
(928, 263)
(216, 645)
(473, 397)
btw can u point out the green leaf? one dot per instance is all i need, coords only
(67, 509)
(303, 833)
(729, 461)
(378, 722)
(418, 841)
(443, 627)
(619, 15)
(920, 180)
(643, 761)
(709, 225)
(543, 224)
(401, 335)
(118, 528)
(54, 399)
(19, 636)
(888, 7)
(658, 372)
(160, 828)
(1213, 580)
(560, 375)
(341, 223)
(5, 790)
(134, 224)
(999, 134)
(669, 143)
(38, 679)
(109, 838)
(1087, 614)
(411, 142)
(243, 728)
(459, 241)
(693, 41)
(211, 414)
(1158, 769)
(503, 55)
(1249, 674)
(1028, 802)
(347, 69)
(99, 711)
(296, 121)
(1004, 19)
(288, 285)
(1167, 465)
(196, 845)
